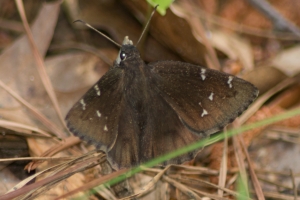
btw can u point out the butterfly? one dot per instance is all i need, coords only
(139, 111)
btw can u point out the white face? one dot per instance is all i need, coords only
(125, 41)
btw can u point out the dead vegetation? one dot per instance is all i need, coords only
(47, 62)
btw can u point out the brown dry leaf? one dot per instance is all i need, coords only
(159, 191)
(264, 78)
(172, 31)
(72, 74)
(113, 18)
(289, 98)
(235, 47)
(248, 136)
(12, 172)
(73, 71)
(287, 61)
(242, 12)
(277, 153)
(18, 71)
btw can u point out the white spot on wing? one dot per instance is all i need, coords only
(204, 113)
(98, 113)
(203, 74)
(83, 104)
(230, 78)
(96, 87)
(211, 96)
(105, 128)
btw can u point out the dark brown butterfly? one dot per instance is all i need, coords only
(139, 111)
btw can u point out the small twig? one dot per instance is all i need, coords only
(294, 184)
(52, 127)
(223, 167)
(59, 176)
(199, 33)
(277, 184)
(182, 188)
(36, 158)
(256, 185)
(93, 183)
(240, 162)
(263, 98)
(40, 64)
(228, 24)
(278, 20)
(11, 125)
(11, 25)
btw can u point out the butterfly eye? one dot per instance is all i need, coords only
(122, 55)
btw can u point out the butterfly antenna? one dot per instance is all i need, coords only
(98, 32)
(147, 25)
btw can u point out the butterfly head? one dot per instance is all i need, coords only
(127, 51)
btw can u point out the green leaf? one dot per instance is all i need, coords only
(205, 142)
(242, 188)
(163, 5)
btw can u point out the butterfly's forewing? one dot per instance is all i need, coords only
(93, 117)
(204, 99)
(102, 118)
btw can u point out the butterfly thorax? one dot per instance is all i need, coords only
(136, 78)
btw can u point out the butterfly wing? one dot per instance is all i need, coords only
(152, 131)
(129, 135)
(92, 118)
(205, 100)
(164, 132)
(137, 113)
(103, 117)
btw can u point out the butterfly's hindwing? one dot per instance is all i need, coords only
(205, 99)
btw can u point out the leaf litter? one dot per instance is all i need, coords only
(273, 150)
